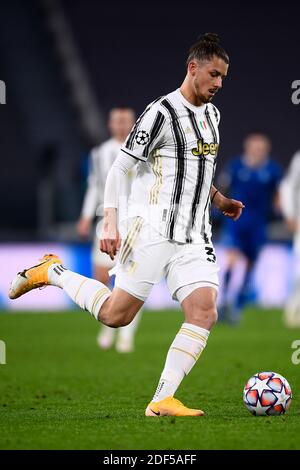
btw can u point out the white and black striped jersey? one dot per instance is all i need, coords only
(176, 145)
(100, 162)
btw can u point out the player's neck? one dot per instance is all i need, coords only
(119, 139)
(189, 94)
(253, 161)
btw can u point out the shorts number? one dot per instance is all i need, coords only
(211, 257)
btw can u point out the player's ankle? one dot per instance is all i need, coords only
(56, 275)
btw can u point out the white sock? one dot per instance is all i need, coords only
(107, 330)
(182, 356)
(127, 332)
(89, 294)
(106, 337)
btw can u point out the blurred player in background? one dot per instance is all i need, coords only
(174, 145)
(290, 206)
(253, 178)
(120, 122)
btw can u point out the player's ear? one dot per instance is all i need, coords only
(192, 67)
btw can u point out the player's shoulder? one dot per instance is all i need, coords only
(212, 109)
(168, 103)
(156, 104)
(295, 160)
(154, 111)
(275, 166)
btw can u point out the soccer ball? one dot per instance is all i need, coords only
(267, 393)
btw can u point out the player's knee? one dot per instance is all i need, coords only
(114, 322)
(109, 319)
(114, 318)
(209, 316)
(213, 316)
(203, 314)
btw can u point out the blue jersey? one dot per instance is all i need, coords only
(255, 187)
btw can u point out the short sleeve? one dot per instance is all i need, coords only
(147, 133)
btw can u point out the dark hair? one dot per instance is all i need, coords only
(206, 48)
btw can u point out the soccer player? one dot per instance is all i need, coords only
(174, 144)
(120, 122)
(290, 205)
(252, 177)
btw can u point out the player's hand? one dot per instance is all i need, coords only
(232, 209)
(229, 207)
(110, 240)
(84, 227)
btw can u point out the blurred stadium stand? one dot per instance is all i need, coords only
(272, 278)
(67, 63)
(53, 121)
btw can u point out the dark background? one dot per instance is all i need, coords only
(132, 53)
(136, 52)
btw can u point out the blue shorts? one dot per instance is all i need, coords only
(249, 239)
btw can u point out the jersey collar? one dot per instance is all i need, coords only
(188, 104)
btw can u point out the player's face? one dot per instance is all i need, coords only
(120, 123)
(257, 148)
(207, 77)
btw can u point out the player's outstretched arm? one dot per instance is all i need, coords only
(110, 239)
(229, 207)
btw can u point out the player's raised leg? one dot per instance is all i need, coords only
(199, 306)
(113, 308)
(102, 264)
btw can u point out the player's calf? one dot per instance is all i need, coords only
(119, 309)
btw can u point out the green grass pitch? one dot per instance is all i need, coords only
(59, 391)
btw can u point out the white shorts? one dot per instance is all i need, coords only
(146, 257)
